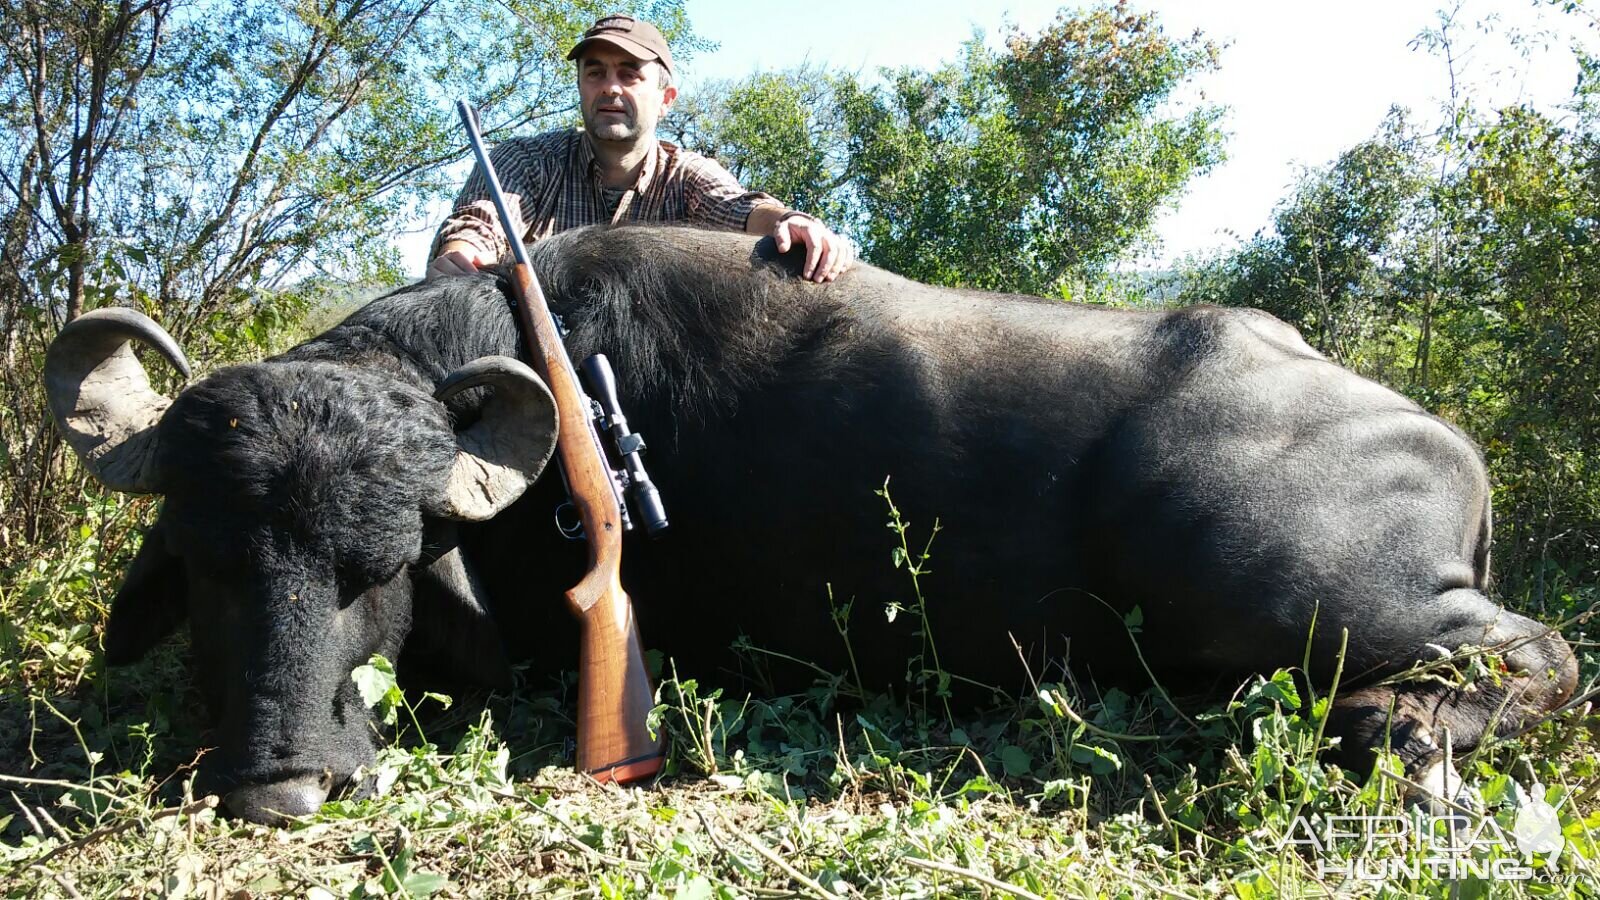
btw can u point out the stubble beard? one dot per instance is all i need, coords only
(623, 130)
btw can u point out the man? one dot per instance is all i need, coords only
(616, 170)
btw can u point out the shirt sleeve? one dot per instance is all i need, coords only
(474, 219)
(715, 199)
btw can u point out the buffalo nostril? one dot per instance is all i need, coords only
(279, 801)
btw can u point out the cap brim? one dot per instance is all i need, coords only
(632, 48)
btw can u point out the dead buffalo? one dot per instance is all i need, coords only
(1202, 464)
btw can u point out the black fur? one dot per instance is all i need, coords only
(1203, 464)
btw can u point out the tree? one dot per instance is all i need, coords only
(199, 160)
(1027, 169)
(73, 74)
(1021, 170)
(1529, 272)
(779, 132)
(1328, 262)
(1464, 269)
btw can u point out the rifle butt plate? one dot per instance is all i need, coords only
(630, 770)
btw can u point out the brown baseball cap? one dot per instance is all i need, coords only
(639, 39)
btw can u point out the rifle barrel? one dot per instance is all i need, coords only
(469, 120)
(614, 692)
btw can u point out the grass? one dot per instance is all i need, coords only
(1075, 790)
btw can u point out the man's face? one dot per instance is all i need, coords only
(621, 96)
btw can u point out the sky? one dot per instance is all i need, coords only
(1302, 80)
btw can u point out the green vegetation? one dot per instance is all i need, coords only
(1460, 267)
(1028, 170)
(226, 178)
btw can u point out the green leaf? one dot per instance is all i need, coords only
(1100, 760)
(1055, 787)
(374, 680)
(380, 691)
(980, 785)
(1016, 761)
(1495, 790)
(1134, 620)
(1281, 688)
(1251, 888)
(424, 884)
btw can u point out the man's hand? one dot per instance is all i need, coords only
(456, 258)
(827, 254)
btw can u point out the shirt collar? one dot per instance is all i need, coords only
(652, 161)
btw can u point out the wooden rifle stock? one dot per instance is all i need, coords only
(614, 692)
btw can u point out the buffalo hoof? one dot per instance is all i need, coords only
(1440, 792)
(280, 801)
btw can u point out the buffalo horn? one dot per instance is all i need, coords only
(101, 397)
(499, 456)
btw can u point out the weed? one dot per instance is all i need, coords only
(923, 667)
(1072, 790)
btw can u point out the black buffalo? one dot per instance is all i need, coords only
(1202, 464)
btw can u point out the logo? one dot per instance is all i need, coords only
(1450, 846)
(1538, 829)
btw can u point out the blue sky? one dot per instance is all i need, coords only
(1302, 80)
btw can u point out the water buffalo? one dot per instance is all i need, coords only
(1202, 464)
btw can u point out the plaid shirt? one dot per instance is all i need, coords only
(552, 183)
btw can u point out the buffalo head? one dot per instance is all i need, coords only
(305, 504)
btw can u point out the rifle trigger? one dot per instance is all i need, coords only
(572, 528)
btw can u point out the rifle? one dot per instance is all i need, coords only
(614, 691)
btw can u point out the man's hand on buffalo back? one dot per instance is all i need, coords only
(827, 254)
(456, 258)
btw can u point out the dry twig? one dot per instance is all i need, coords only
(205, 803)
(970, 875)
(572, 839)
(811, 886)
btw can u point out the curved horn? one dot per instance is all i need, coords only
(497, 458)
(101, 397)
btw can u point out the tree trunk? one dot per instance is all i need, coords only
(1424, 343)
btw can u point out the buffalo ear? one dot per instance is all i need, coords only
(150, 605)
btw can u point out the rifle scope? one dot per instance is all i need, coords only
(603, 385)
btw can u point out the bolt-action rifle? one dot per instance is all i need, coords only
(614, 692)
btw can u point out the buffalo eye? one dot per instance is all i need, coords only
(355, 584)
